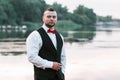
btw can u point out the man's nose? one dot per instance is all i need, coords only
(51, 18)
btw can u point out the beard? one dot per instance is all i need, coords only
(50, 24)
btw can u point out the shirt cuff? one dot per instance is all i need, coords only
(49, 65)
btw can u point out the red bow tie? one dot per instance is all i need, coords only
(51, 31)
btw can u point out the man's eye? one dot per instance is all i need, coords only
(54, 16)
(49, 16)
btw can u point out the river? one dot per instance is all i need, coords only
(96, 58)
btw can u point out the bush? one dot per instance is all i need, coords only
(66, 25)
(31, 25)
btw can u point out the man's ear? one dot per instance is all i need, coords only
(43, 18)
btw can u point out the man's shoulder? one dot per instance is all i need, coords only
(33, 33)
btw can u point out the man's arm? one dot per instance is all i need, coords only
(63, 56)
(34, 44)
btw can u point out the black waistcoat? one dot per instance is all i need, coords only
(49, 52)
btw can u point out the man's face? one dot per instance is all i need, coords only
(50, 18)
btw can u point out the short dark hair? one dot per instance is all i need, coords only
(50, 9)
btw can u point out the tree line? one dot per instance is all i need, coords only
(18, 11)
(29, 12)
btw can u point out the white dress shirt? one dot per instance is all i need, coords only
(34, 44)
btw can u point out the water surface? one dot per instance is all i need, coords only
(94, 56)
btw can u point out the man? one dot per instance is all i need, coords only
(45, 49)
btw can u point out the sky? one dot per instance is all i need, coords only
(100, 7)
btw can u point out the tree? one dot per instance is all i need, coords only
(28, 10)
(3, 16)
(91, 15)
(86, 16)
(11, 14)
(80, 10)
(61, 11)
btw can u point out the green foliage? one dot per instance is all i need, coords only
(85, 16)
(9, 9)
(62, 11)
(29, 12)
(3, 15)
(91, 15)
(84, 19)
(104, 19)
(80, 10)
(65, 25)
(14, 12)
(31, 26)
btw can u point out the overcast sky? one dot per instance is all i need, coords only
(100, 7)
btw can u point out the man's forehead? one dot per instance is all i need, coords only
(50, 13)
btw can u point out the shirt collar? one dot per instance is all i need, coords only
(45, 27)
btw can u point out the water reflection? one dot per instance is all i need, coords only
(13, 32)
(12, 41)
(95, 56)
(79, 36)
(12, 53)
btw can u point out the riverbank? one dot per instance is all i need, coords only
(83, 63)
(14, 46)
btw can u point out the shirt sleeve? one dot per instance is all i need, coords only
(63, 57)
(34, 44)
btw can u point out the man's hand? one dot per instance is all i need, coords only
(56, 66)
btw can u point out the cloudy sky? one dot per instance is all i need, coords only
(100, 7)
